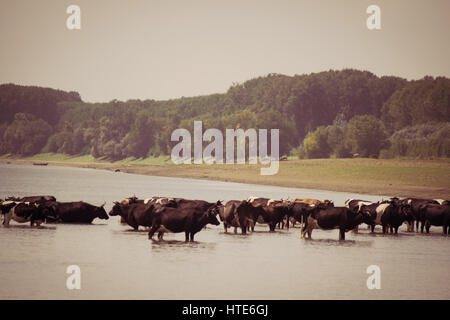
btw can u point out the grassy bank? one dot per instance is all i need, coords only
(404, 178)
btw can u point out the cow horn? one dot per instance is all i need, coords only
(103, 204)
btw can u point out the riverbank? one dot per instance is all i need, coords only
(403, 178)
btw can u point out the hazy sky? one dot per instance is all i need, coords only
(167, 49)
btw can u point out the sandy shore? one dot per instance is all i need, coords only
(309, 177)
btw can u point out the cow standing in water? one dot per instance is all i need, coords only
(76, 212)
(135, 214)
(356, 204)
(189, 217)
(435, 215)
(415, 204)
(231, 218)
(22, 212)
(389, 214)
(262, 211)
(327, 218)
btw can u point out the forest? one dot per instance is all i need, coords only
(337, 114)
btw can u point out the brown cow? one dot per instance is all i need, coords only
(306, 200)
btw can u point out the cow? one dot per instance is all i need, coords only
(389, 214)
(435, 215)
(126, 201)
(264, 202)
(7, 205)
(306, 200)
(355, 204)
(170, 202)
(38, 199)
(271, 213)
(232, 218)
(189, 219)
(394, 216)
(76, 212)
(309, 201)
(330, 217)
(254, 211)
(131, 200)
(258, 200)
(25, 212)
(282, 207)
(442, 201)
(300, 211)
(134, 214)
(415, 209)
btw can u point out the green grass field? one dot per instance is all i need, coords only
(400, 177)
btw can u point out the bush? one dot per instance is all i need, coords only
(424, 141)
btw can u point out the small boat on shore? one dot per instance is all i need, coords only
(40, 163)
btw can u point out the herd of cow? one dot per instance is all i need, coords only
(163, 214)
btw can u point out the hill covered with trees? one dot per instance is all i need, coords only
(326, 114)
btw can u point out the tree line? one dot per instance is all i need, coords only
(327, 114)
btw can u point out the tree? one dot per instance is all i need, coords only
(366, 136)
(418, 102)
(26, 135)
(315, 144)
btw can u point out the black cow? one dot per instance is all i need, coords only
(135, 214)
(435, 215)
(280, 207)
(415, 209)
(276, 212)
(394, 216)
(189, 219)
(300, 211)
(374, 210)
(326, 217)
(76, 212)
(298, 206)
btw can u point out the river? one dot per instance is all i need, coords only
(118, 263)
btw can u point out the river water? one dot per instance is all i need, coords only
(118, 263)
